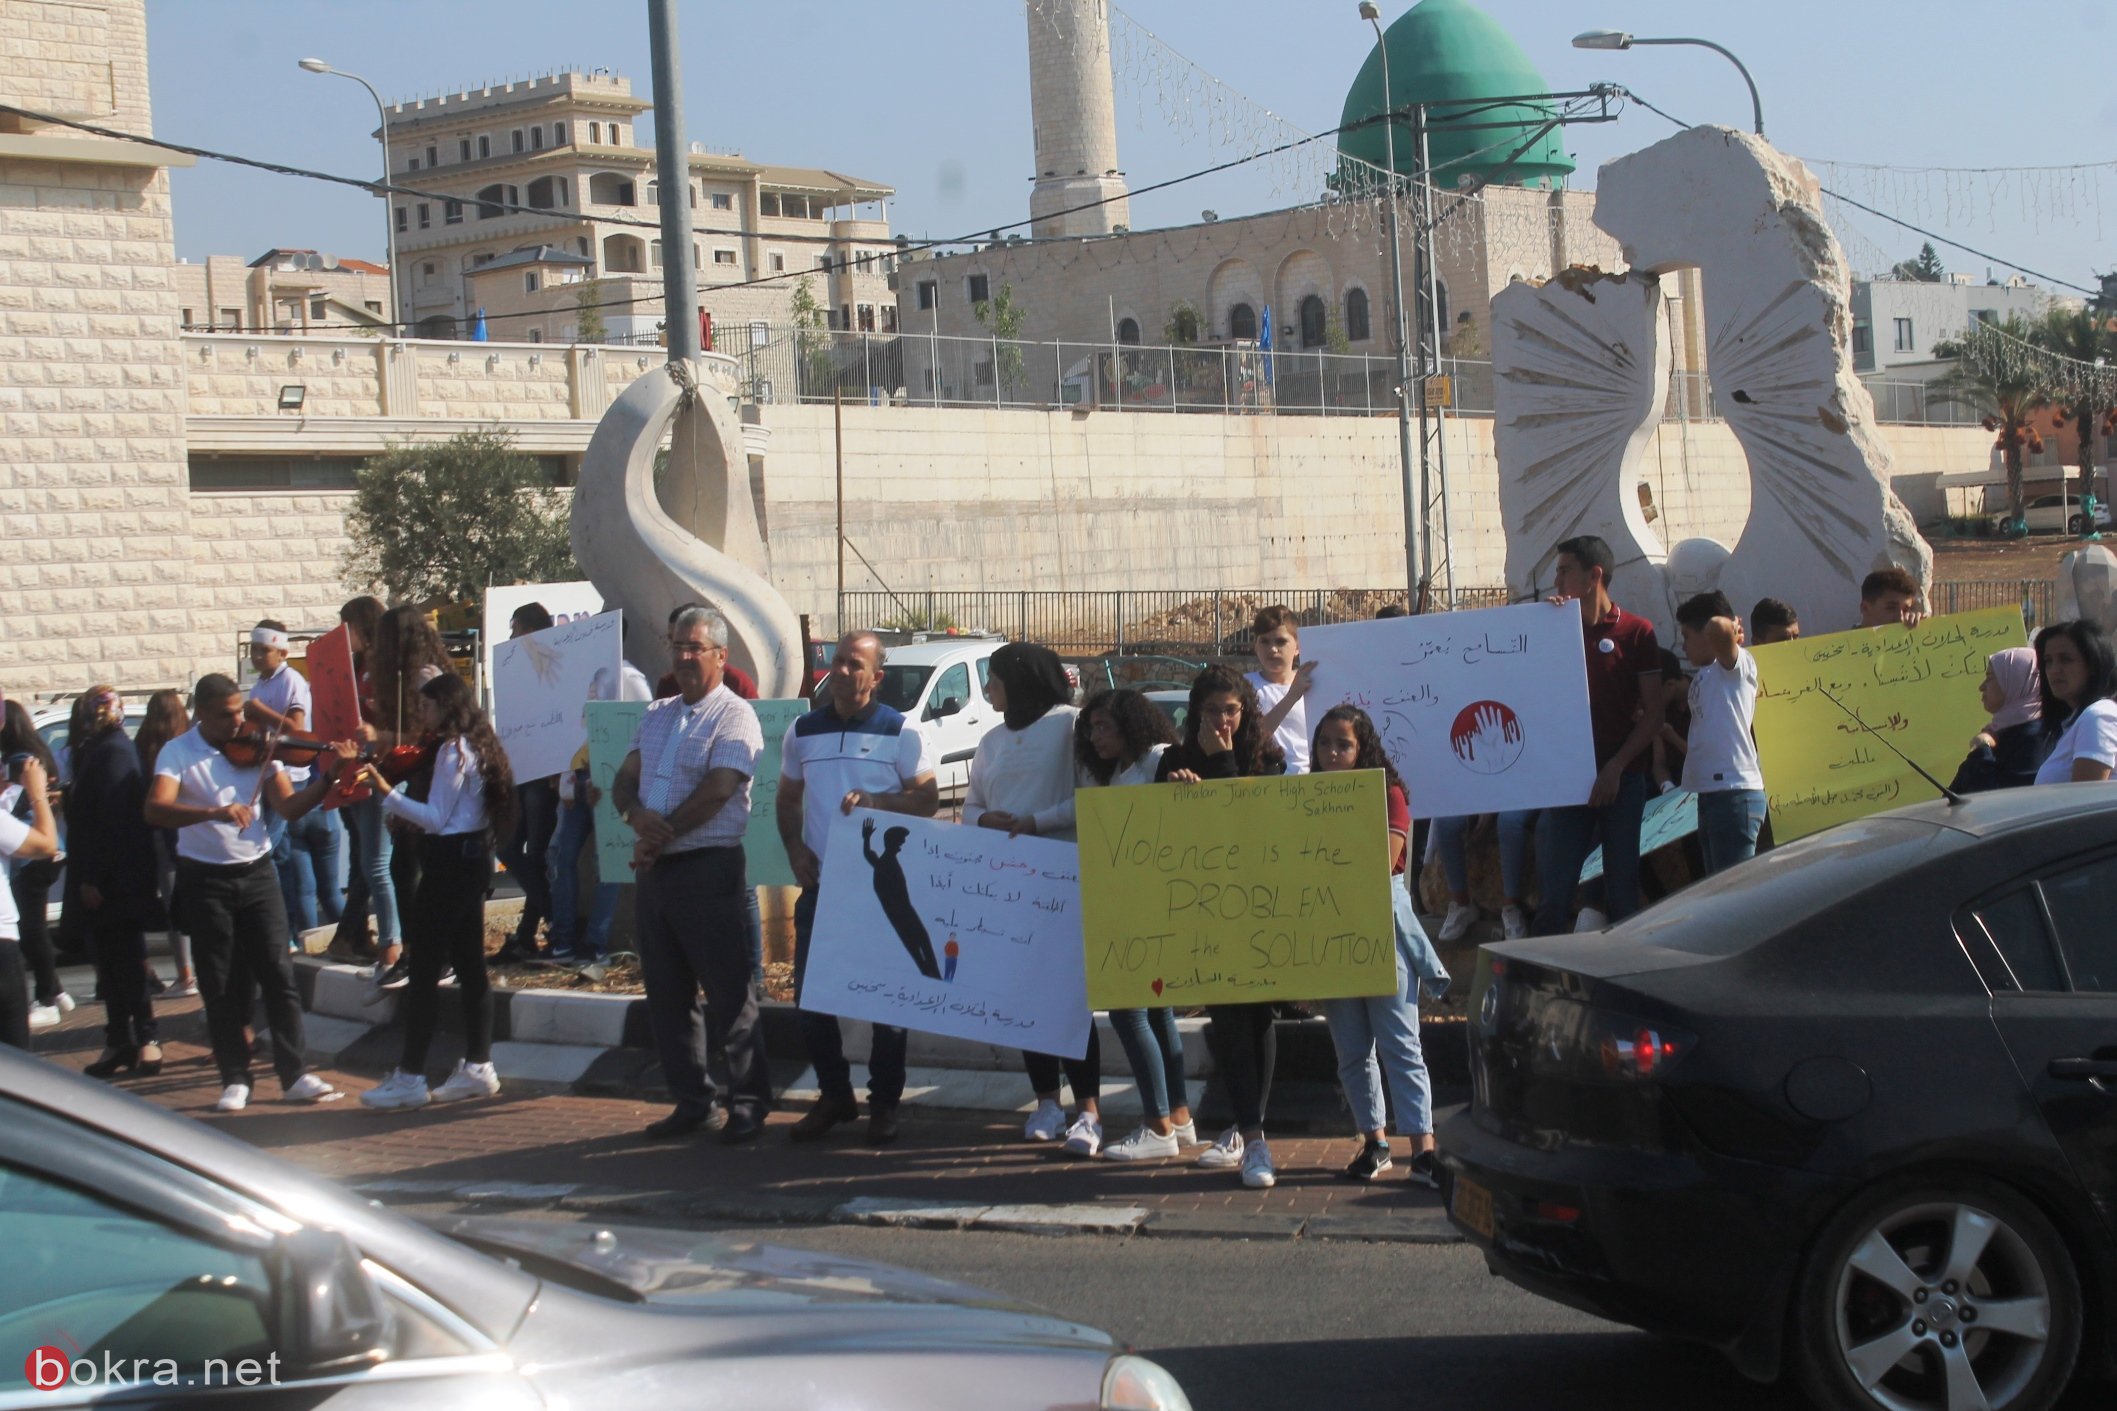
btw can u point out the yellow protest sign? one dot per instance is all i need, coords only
(1237, 890)
(1917, 688)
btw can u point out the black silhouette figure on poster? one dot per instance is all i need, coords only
(1487, 737)
(895, 895)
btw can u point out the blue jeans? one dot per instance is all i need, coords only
(1565, 837)
(305, 855)
(1377, 1039)
(370, 842)
(1154, 1048)
(1449, 846)
(576, 830)
(826, 1046)
(1728, 823)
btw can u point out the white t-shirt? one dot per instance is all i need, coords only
(2091, 735)
(13, 831)
(1292, 734)
(1139, 771)
(206, 779)
(286, 691)
(1027, 771)
(830, 758)
(1723, 752)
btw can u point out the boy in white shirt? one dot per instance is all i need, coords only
(1721, 767)
(1275, 636)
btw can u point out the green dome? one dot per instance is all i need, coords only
(1442, 52)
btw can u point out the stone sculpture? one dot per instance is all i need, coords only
(1574, 409)
(647, 560)
(2087, 586)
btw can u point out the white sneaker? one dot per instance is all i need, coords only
(469, 1080)
(43, 1016)
(1045, 1124)
(1085, 1137)
(1186, 1133)
(1225, 1154)
(1590, 920)
(1146, 1144)
(1516, 924)
(64, 1002)
(1257, 1172)
(310, 1088)
(234, 1098)
(400, 1090)
(1462, 915)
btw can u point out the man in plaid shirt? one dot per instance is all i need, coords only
(685, 790)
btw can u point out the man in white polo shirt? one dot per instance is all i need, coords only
(231, 898)
(305, 851)
(856, 752)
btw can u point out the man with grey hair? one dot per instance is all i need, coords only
(685, 790)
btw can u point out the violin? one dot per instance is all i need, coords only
(266, 736)
(395, 764)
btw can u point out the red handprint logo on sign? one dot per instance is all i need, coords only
(1487, 737)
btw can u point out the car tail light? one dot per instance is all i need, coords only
(1587, 1043)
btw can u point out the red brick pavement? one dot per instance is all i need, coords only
(538, 1138)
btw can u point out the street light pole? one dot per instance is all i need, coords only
(1414, 506)
(672, 167)
(1618, 39)
(389, 212)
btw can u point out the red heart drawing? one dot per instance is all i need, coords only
(1157, 989)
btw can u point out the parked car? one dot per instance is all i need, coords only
(2053, 514)
(1174, 704)
(938, 681)
(1848, 1110)
(135, 1235)
(50, 723)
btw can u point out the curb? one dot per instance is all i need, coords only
(1411, 1226)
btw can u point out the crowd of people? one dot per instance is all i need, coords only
(201, 826)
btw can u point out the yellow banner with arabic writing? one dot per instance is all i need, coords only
(1913, 688)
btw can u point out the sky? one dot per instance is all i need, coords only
(931, 97)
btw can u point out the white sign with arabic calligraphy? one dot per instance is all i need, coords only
(951, 930)
(540, 683)
(1480, 711)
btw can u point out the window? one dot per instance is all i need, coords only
(404, 220)
(484, 257)
(230, 319)
(2081, 902)
(979, 287)
(1242, 322)
(779, 262)
(929, 293)
(724, 257)
(654, 193)
(866, 313)
(541, 192)
(1905, 341)
(433, 155)
(412, 165)
(889, 318)
(319, 306)
(1128, 331)
(426, 215)
(558, 134)
(693, 193)
(373, 306)
(536, 335)
(953, 687)
(2015, 927)
(489, 201)
(1862, 340)
(427, 269)
(768, 204)
(694, 255)
(131, 1280)
(595, 134)
(530, 284)
(581, 244)
(654, 254)
(484, 146)
(515, 138)
(1984, 315)
(1313, 329)
(188, 320)
(1356, 315)
(463, 150)
(536, 138)
(723, 201)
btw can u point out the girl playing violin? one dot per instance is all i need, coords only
(399, 654)
(458, 806)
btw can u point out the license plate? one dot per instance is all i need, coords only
(1472, 1205)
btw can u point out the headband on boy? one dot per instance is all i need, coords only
(268, 637)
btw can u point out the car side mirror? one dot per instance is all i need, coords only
(332, 1317)
(946, 706)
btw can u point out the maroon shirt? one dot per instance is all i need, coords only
(1621, 649)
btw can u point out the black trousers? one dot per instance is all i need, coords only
(694, 932)
(119, 946)
(444, 926)
(527, 853)
(1083, 1075)
(1245, 1046)
(32, 889)
(14, 995)
(237, 918)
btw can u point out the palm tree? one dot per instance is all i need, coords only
(2081, 337)
(2000, 374)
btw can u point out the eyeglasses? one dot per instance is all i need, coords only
(694, 649)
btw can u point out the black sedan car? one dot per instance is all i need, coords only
(149, 1261)
(1848, 1110)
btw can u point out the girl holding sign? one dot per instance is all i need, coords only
(1383, 1026)
(1119, 740)
(1225, 738)
(466, 800)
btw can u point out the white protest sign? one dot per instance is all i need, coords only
(1480, 711)
(564, 601)
(951, 930)
(540, 683)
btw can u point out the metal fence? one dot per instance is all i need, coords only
(1198, 624)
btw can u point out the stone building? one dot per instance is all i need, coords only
(282, 291)
(565, 143)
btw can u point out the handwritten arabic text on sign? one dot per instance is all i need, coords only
(611, 727)
(950, 930)
(1237, 890)
(1480, 711)
(1917, 686)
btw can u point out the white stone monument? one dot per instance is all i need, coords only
(2087, 586)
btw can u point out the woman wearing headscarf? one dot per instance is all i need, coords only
(2007, 752)
(1021, 781)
